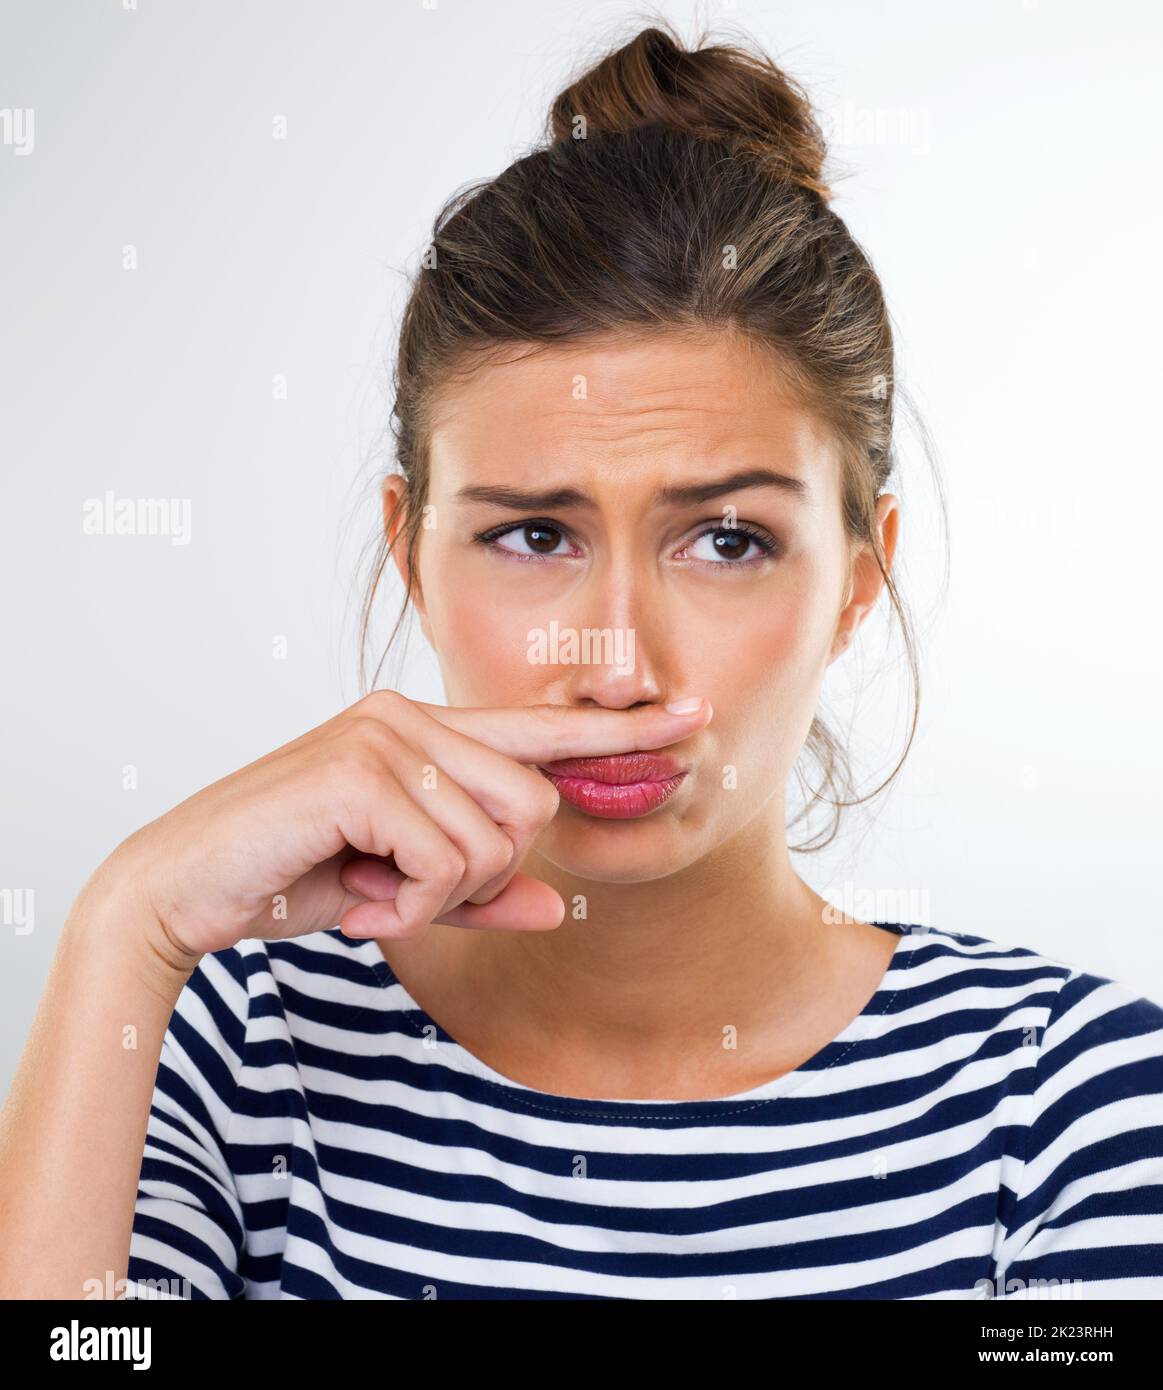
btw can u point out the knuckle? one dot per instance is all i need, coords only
(450, 868)
(357, 759)
(352, 773)
(552, 798)
(364, 727)
(381, 704)
(496, 856)
(533, 811)
(544, 799)
(369, 739)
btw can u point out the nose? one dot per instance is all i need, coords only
(622, 651)
(611, 688)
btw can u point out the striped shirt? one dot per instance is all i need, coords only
(993, 1118)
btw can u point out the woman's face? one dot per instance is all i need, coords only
(595, 489)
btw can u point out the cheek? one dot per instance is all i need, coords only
(765, 680)
(483, 645)
(770, 643)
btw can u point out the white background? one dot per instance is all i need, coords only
(1011, 206)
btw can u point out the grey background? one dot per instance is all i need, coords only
(1010, 202)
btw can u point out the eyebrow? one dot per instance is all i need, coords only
(673, 494)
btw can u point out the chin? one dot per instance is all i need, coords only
(618, 851)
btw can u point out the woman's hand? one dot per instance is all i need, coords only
(390, 816)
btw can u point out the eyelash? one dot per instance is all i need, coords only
(762, 538)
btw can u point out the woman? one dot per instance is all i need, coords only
(581, 1030)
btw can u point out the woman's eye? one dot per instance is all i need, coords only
(730, 545)
(718, 545)
(533, 538)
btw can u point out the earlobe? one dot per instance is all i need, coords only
(842, 638)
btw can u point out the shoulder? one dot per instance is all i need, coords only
(948, 970)
(1088, 1201)
(1077, 1024)
(1103, 1042)
(237, 1000)
(212, 1014)
(325, 964)
(1094, 1045)
(223, 979)
(257, 978)
(249, 966)
(1073, 998)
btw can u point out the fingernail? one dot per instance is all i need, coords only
(687, 706)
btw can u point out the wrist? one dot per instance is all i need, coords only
(113, 902)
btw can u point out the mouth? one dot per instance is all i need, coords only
(618, 787)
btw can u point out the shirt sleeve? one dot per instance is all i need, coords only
(188, 1231)
(1090, 1205)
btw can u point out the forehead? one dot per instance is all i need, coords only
(656, 403)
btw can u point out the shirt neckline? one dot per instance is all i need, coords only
(368, 954)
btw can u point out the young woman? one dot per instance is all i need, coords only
(521, 996)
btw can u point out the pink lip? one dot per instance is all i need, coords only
(617, 787)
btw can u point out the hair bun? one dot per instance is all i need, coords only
(722, 92)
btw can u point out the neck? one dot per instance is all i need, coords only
(658, 969)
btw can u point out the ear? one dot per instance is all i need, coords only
(867, 581)
(394, 499)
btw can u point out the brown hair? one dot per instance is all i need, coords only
(661, 160)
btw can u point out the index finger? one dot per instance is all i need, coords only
(544, 733)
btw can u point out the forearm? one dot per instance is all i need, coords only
(73, 1128)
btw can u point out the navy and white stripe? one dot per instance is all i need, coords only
(992, 1114)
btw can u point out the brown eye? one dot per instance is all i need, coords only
(531, 538)
(732, 545)
(541, 539)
